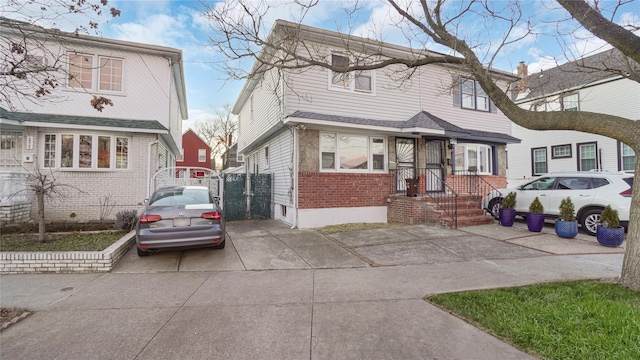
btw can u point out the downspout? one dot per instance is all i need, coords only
(295, 177)
(149, 168)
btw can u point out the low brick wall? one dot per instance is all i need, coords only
(66, 262)
(318, 190)
(15, 213)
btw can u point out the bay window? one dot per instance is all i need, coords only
(85, 152)
(346, 152)
(474, 158)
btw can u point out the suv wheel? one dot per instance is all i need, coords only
(494, 207)
(590, 221)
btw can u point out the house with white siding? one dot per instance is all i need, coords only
(340, 147)
(106, 158)
(578, 85)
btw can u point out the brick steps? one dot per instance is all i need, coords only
(425, 209)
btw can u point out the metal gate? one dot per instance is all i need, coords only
(187, 175)
(241, 203)
(435, 165)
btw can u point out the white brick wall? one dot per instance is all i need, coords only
(66, 262)
(87, 188)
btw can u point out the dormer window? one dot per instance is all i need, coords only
(570, 103)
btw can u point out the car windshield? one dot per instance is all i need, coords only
(181, 197)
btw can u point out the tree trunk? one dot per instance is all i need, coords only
(41, 224)
(631, 265)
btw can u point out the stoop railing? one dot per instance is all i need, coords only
(444, 192)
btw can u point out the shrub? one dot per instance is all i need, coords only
(567, 210)
(609, 217)
(126, 219)
(536, 207)
(509, 201)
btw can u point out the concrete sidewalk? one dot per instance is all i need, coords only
(354, 295)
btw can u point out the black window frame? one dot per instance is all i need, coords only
(553, 155)
(533, 162)
(579, 167)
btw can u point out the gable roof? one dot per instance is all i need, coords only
(289, 30)
(607, 65)
(22, 29)
(190, 130)
(73, 121)
(423, 122)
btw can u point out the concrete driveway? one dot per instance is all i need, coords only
(270, 245)
(355, 295)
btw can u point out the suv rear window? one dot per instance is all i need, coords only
(599, 182)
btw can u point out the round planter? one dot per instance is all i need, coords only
(535, 222)
(612, 237)
(566, 229)
(507, 217)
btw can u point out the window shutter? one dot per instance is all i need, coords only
(455, 91)
(492, 106)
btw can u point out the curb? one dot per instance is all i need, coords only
(14, 321)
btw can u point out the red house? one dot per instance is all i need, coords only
(195, 151)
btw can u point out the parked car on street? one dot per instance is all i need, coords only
(590, 191)
(180, 217)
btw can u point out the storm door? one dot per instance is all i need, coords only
(406, 161)
(435, 165)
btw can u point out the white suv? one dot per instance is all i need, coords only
(590, 191)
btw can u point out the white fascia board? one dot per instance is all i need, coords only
(296, 120)
(423, 131)
(91, 127)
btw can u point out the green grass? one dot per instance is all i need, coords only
(78, 241)
(573, 320)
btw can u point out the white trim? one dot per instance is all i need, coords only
(88, 127)
(314, 218)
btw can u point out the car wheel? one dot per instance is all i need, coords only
(220, 246)
(142, 252)
(494, 207)
(590, 221)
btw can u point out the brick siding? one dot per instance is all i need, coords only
(317, 190)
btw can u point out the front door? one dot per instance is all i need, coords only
(435, 165)
(406, 161)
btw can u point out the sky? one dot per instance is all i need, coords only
(181, 24)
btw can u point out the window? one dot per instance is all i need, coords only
(266, 157)
(110, 74)
(357, 81)
(561, 151)
(539, 161)
(85, 151)
(474, 158)
(340, 79)
(11, 150)
(587, 156)
(50, 151)
(202, 155)
(348, 152)
(540, 184)
(627, 158)
(328, 151)
(570, 102)
(541, 106)
(122, 153)
(473, 96)
(83, 69)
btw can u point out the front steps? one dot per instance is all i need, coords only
(412, 210)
